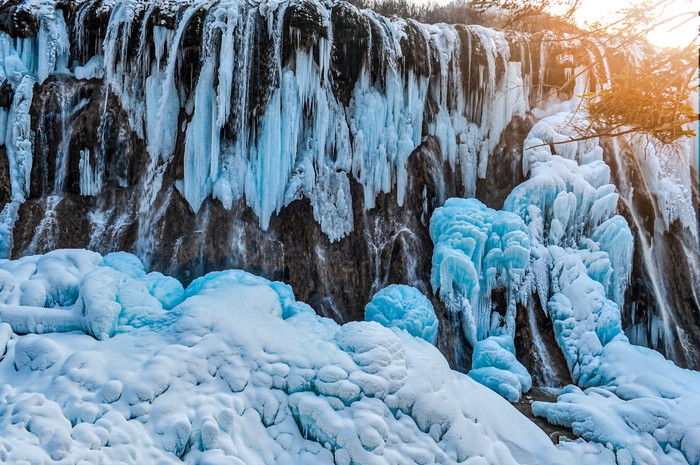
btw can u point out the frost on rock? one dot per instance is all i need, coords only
(237, 372)
(404, 307)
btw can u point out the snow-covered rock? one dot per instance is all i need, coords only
(224, 378)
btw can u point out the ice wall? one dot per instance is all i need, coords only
(260, 100)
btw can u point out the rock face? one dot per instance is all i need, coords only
(307, 143)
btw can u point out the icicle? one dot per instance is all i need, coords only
(90, 178)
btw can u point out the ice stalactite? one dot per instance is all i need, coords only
(24, 62)
(304, 130)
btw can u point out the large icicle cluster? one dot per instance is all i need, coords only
(580, 258)
(269, 105)
(304, 140)
(23, 63)
(581, 251)
(477, 250)
(237, 372)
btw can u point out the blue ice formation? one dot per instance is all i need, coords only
(558, 236)
(579, 262)
(404, 307)
(494, 365)
(288, 152)
(100, 297)
(478, 249)
(24, 62)
(572, 206)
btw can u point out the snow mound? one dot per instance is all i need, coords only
(224, 378)
(404, 307)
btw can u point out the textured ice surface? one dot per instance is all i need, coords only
(404, 307)
(476, 250)
(237, 373)
(494, 365)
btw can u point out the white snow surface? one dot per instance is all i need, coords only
(237, 373)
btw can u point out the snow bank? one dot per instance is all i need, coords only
(239, 372)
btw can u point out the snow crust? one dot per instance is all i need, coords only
(237, 372)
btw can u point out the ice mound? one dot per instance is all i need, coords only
(404, 307)
(644, 405)
(494, 365)
(238, 372)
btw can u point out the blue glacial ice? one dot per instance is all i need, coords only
(404, 307)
